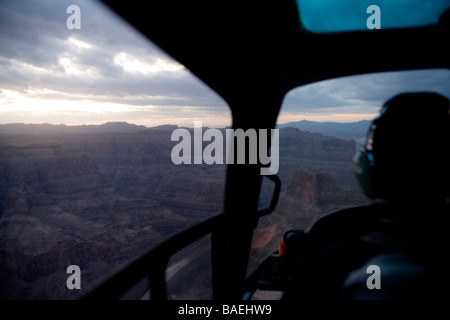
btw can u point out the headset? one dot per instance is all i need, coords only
(365, 169)
(398, 114)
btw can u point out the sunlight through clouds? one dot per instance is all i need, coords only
(78, 43)
(133, 64)
(107, 71)
(104, 72)
(66, 104)
(286, 117)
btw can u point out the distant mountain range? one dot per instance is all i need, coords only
(108, 127)
(348, 131)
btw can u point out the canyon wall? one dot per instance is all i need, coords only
(99, 196)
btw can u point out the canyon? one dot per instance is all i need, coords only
(100, 196)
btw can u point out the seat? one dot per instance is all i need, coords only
(406, 241)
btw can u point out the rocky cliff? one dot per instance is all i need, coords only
(315, 152)
(98, 197)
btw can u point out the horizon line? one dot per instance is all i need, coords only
(164, 124)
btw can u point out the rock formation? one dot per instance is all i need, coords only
(99, 196)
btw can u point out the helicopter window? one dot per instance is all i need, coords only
(353, 15)
(189, 271)
(322, 125)
(86, 175)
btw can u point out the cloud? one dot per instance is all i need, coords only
(49, 73)
(362, 94)
(105, 62)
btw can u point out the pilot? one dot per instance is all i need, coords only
(394, 248)
(405, 164)
(406, 152)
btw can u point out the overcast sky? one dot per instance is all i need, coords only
(106, 71)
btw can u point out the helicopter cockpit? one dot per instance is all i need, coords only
(252, 53)
(224, 150)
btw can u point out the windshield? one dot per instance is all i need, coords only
(89, 179)
(327, 16)
(321, 127)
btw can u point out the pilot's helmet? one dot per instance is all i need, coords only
(406, 154)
